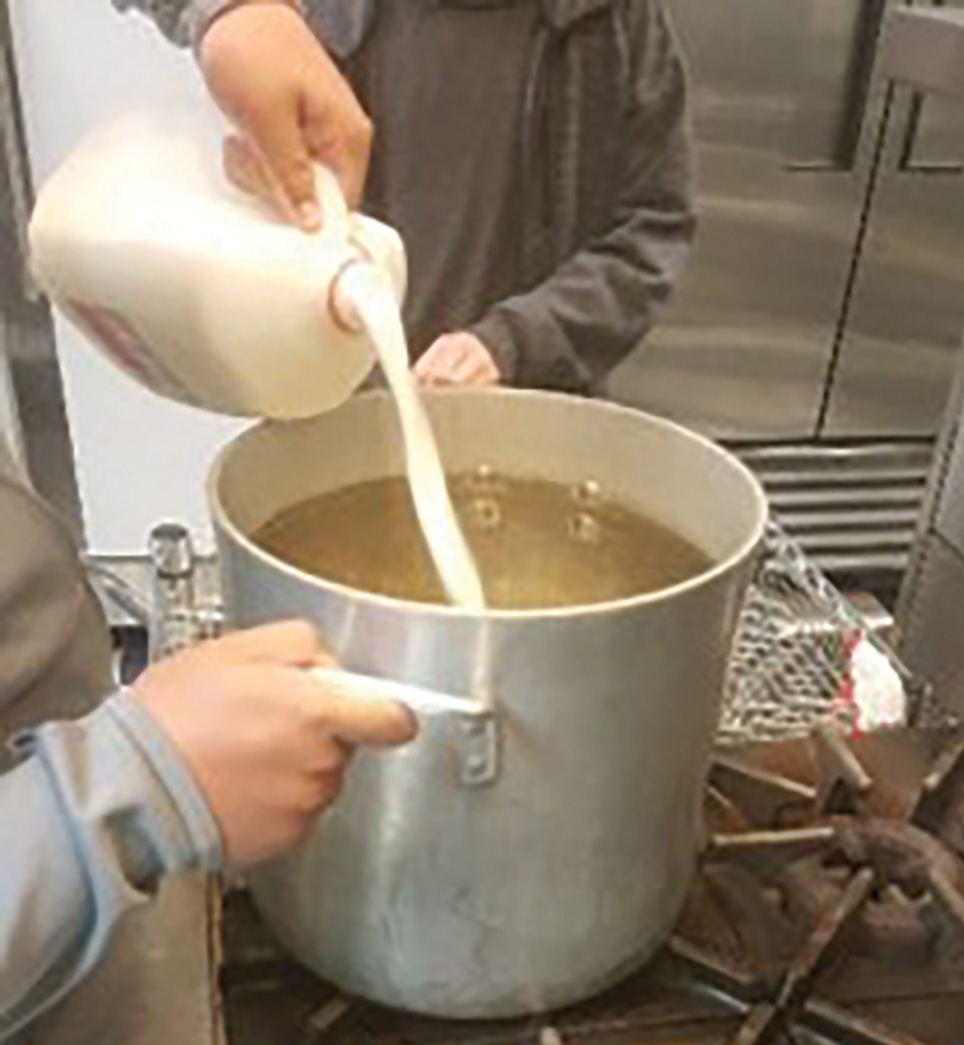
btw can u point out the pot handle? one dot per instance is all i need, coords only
(477, 733)
(418, 700)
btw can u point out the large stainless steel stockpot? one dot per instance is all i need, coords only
(521, 861)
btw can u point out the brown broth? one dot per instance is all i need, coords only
(538, 544)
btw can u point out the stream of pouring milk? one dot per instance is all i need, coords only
(367, 289)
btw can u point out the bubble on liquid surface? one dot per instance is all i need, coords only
(485, 513)
(585, 528)
(587, 494)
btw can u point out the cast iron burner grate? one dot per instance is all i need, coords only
(829, 908)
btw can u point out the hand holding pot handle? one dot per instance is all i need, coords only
(267, 743)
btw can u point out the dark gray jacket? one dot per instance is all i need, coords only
(607, 178)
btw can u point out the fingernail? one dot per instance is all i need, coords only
(309, 214)
(412, 723)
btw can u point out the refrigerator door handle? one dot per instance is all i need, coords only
(834, 128)
(923, 52)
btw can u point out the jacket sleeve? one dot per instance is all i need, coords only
(175, 18)
(183, 22)
(573, 329)
(98, 814)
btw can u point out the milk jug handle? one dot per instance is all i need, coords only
(335, 214)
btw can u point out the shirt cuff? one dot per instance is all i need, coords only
(496, 334)
(123, 784)
(202, 839)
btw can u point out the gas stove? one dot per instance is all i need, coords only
(828, 908)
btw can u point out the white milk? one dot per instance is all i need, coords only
(370, 293)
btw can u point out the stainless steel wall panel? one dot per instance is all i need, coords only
(903, 334)
(785, 104)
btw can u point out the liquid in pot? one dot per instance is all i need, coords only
(538, 544)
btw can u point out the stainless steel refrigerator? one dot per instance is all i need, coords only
(821, 319)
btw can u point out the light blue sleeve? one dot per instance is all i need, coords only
(98, 814)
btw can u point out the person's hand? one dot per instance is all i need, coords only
(264, 740)
(457, 359)
(270, 75)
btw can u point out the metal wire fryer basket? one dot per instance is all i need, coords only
(793, 662)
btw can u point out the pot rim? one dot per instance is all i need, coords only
(746, 550)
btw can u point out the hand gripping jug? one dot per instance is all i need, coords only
(197, 291)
